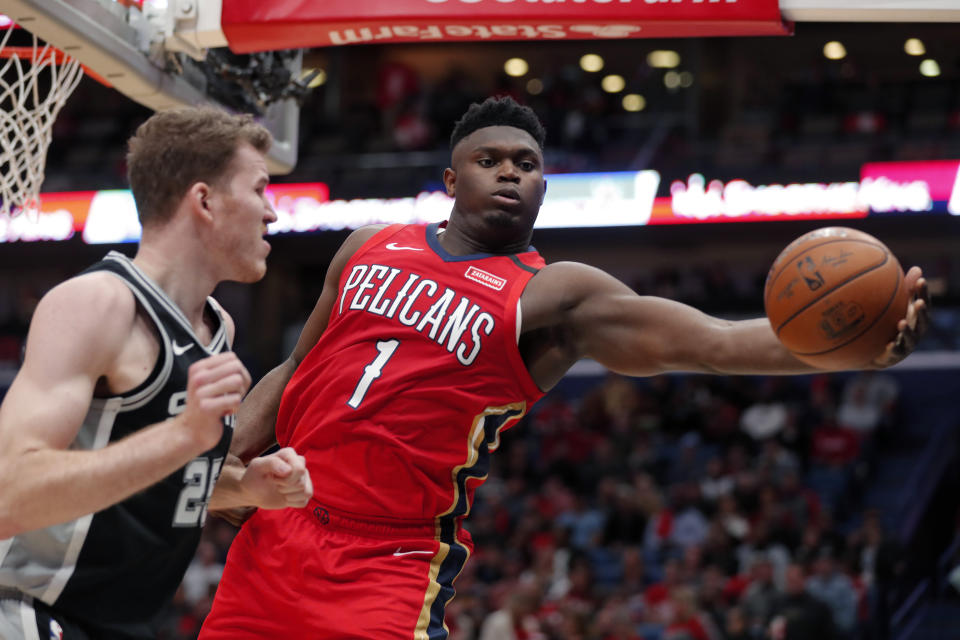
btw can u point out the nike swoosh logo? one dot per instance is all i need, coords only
(399, 553)
(179, 351)
(393, 246)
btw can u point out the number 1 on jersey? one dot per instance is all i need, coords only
(372, 371)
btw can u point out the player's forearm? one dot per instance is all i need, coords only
(750, 347)
(255, 430)
(43, 486)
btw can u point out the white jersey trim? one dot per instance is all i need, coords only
(146, 394)
(28, 619)
(519, 320)
(5, 549)
(110, 409)
(165, 300)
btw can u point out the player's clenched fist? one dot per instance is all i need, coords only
(277, 481)
(215, 387)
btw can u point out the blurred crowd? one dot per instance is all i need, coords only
(670, 508)
(764, 110)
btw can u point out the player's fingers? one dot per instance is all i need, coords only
(923, 291)
(222, 404)
(220, 371)
(298, 501)
(230, 384)
(912, 278)
(227, 358)
(298, 462)
(912, 314)
(308, 486)
(923, 317)
(276, 466)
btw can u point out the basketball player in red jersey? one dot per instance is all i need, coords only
(427, 342)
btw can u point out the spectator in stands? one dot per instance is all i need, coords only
(869, 400)
(835, 590)
(203, 574)
(761, 595)
(690, 527)
(768, 415)
(625, 522)
(797, 615)
(657, 597)
(776, 461)
(516, 620)
(736, 627)
(585, 523)
(717, 483)
(688, 623)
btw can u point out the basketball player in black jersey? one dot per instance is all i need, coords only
(115, 431)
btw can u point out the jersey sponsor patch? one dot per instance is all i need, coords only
(485, 278)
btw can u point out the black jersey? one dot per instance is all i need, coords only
(120, 566)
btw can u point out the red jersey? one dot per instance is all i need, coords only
(399, 404)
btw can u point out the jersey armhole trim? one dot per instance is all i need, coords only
(376, 239)
(514, 315)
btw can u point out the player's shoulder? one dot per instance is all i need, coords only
(574, 274)
(95, 299)
(561, 286)
(361, 236)
(356, 240)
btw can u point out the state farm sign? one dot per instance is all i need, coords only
(253, 25)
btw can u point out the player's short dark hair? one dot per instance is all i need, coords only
(498, 112)
(177, 148)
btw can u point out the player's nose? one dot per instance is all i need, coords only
(508, 172)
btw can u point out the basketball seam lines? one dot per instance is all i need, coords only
(886, 257)
(880, 315)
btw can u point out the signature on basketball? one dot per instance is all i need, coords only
(835, 260)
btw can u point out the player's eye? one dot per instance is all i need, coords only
(526, 165)
(486, 163)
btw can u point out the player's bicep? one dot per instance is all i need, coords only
(592, 314)
(76, 332)
(644, 335)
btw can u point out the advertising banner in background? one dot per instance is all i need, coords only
(573, 200)
(254, 25)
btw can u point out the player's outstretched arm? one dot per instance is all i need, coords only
(255, 431)
(76, 335)
(572, 311)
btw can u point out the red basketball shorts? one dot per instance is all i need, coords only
(311, 573)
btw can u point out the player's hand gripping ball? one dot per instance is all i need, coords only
(835, 296)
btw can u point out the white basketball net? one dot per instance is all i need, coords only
(32, 92)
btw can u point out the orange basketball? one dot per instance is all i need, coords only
(834, 297)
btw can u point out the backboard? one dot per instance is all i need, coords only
(132, 46)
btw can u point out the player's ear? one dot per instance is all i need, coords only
(199, 199)
(450, 181)
(544, 194)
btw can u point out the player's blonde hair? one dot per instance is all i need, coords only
(175, 149)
